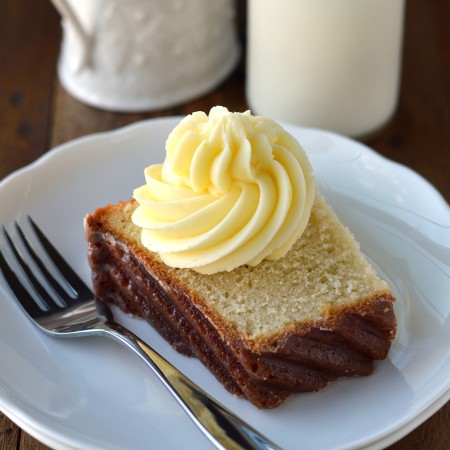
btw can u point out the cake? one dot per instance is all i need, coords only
(292, 321)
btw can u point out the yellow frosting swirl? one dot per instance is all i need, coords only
(234, 189)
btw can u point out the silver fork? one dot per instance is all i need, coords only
(79, 314)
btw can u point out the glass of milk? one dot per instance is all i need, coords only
(331, 64)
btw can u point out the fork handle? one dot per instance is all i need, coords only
(220, 425)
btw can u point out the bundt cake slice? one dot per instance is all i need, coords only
(265, 331)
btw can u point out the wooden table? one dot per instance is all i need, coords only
(36, 114)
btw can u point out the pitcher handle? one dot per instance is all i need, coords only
(66, 11)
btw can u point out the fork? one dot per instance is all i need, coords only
(76, 313)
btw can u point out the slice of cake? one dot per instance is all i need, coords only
(272, 299)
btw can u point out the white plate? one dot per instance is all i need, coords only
(92, 393)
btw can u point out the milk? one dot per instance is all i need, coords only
(332, 64)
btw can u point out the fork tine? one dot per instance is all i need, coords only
(22, 295)
(72, 278)
(40, 290)
(45, 272)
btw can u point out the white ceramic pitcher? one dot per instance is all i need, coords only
(140, 55)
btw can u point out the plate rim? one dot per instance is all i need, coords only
(434, 404)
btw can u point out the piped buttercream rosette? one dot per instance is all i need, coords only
(234, 189)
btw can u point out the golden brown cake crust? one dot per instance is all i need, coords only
(266, 370)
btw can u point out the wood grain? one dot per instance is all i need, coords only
(419, 134)
(9, 434)
(37, 114)
(29, 43)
